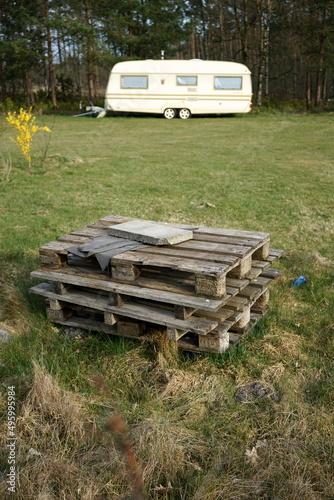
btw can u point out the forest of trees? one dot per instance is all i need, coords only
(54, 51)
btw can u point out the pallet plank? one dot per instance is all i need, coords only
(271, 273)
(118, 219)
(74, 239)
(220, 248)
(130, 310)
(229, 260)
(140, 258)
(89, 232)
(193, 301)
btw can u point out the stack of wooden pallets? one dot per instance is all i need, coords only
(208, 291)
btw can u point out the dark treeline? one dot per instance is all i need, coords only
(55, 50)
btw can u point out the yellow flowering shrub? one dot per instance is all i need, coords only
(26, 129)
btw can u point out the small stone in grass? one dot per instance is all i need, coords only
(255, 391)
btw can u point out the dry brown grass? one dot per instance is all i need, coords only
(167, 348)
(62, 455)
(290, 464)
(177, 457)
(14, 312)
(164, 447)
(286, 343)
(51, 412)
(60, 452)
(56, 478)
(318, 260)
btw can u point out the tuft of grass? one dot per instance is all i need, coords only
(13, 308)
(50, 414)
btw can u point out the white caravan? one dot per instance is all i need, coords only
(179, 88)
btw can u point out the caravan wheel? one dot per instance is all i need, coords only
(169, 113)
(184, 113)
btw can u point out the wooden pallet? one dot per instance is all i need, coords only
(104, 307)
(210, 257)
(200, 319)
(216, 341)
(206, 292)
(171, 289)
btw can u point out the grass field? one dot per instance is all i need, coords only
(192, 440)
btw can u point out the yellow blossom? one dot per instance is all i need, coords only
(24, 124)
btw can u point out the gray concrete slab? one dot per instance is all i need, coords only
(150, 233)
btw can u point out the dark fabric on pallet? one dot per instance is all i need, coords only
(104, 248)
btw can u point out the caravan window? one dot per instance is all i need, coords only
(186, 80)
(228, 82)
(134, 82)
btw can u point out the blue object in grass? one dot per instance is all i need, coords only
(300, 281)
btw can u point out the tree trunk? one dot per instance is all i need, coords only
(89, 56)
(193, 45)
(324, 87)
(308, 89)
(243, 29)
(60, 54)
(262, 64)
(204, 37)
(319, 80)
(264, 10)
(221, 29)
(28, 89)
(266, 47)
(2, 80)
(52, 82)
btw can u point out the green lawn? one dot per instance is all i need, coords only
(272, 173)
